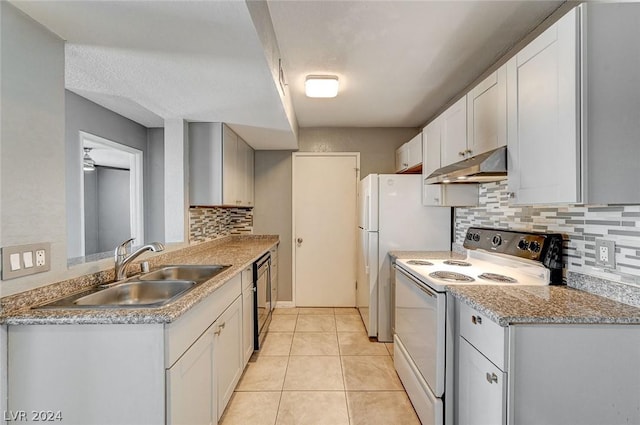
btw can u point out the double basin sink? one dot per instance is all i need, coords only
(153, 289)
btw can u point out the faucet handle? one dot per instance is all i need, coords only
(122, 249)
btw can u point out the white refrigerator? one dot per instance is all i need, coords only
(391, 217)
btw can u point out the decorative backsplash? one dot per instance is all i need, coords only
(208, 223)
(580, 225)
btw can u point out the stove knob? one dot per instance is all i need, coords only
(496, 240)
(523, 244)
(534, 246)
(469, 236)
(476, 237)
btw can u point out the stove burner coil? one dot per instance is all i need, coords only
(457, 263)
(419, 263)
(494, 277)
(451, 276)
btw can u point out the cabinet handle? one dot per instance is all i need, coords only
(492, 377)
(476, 320)
(461, 153)
(469, 151)
(220, 328)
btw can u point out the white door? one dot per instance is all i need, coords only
(454, 133)
(324, 228)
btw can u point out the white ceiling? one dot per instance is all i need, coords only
(398, 61)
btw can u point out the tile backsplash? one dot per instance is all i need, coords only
(580, 225)
(208, 223)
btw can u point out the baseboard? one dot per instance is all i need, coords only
(285, 304)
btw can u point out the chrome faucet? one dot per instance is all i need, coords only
(123, 258)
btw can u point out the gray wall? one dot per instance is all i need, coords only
(91, 212)
(272, 213)
(32, 179)
(84, 115)
(114, 224)
(154, 186)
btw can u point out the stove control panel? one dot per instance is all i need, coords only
(545, 248)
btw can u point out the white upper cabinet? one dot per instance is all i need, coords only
(220, 166)
(454, 133)
(573, 100)
(487, 114)
(409, 156)
(438, 195)
(543, 145)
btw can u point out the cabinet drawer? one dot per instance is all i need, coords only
(484, 334)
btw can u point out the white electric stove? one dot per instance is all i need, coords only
(425, 320)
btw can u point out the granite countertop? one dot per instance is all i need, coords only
(237, 251)
(512, 305)
(426, 255)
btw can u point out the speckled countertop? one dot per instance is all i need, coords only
(510, 305)
(425, 255)
(237, 251)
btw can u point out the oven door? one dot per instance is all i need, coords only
(420, 326)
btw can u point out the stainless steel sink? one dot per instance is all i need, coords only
(137, 293)
(151, 289)
(195, 273)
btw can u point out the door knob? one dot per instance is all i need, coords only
(299, 240)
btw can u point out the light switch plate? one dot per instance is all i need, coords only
(605, 253)
(23, 256)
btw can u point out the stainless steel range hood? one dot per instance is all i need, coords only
(486, 167)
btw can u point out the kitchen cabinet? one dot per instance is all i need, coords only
(572, 97)
(228, 355)
(409, 156)
(248, 324)
(442, 194)
(183, 372)
(454, 133)
(554, 374)
(221, 166)
(487, 114)
(274, 277)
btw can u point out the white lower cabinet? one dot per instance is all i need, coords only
(228, 356)
(482, 392)
(191, 388)
(183, 372)
(247, 315)
(552, 374)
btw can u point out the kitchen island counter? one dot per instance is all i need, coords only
(510, 305)
(237, 251)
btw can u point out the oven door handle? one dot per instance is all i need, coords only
(419, 284)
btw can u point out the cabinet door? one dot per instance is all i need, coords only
(542, 99)
(228, 364)
(249, 176)
(242, 166)
(274, 277)
(414, 151)
(229, 166)
(402, 158)
(432, 193)
(482, 389)
(191, 391)
(247, 324)
(454, 133)
(487, 113)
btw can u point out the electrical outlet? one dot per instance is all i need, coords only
(605, 253)
(18, 260)
(41, 258)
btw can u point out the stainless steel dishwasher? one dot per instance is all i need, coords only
(262, 298)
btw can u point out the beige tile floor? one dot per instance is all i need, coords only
(317, 366)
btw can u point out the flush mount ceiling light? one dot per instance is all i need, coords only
(88, 164)
(321, 86)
